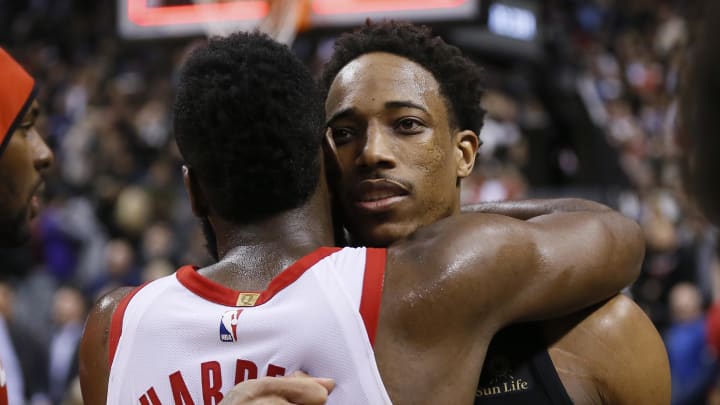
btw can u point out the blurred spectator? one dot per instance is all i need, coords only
(692, 366)
(69, 319)
(120, 268)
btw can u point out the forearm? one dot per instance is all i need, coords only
(580, 258)
(527, 209)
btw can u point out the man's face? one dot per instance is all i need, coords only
(399, 157)
(22, 164)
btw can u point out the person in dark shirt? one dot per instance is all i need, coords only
(392, 91)
(24, 160)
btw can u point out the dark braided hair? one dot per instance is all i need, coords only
(460, 79)
(248, 120)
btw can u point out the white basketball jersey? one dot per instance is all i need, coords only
(185, 339)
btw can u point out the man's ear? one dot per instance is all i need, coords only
(467, 143)
(198, 200)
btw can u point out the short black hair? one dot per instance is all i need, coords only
(460, 79)
(248, 120)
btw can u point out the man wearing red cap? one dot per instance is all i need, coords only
(24, 156)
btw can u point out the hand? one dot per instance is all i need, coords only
(297, 388)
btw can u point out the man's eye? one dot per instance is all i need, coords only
(341, 135)
(25, 127)
(409, 125)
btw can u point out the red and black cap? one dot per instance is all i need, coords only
(17, 92)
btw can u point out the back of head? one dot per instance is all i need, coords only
(248, 122)
(460, 80)
(700, 117)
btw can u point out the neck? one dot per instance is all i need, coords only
(284, 237)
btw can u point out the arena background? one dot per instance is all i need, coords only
(581, 100)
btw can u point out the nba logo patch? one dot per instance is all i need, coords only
(228, 325)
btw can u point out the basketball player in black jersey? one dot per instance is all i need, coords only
(388, 86)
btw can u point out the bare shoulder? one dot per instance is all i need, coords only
(94, 368)
(618, 349)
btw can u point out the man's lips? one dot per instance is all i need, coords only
(35, 199)
(378, 194)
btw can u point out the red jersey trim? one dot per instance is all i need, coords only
(220, 294)
(372, 290)
(116, 323)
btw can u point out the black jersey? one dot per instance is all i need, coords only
(518, 370)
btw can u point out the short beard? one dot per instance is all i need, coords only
(210, 240)
(15, 231)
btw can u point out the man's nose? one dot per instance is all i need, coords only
(42, 155)
(378, 148)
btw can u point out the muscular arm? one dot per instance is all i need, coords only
(506, 270)
(610, 354)
(94, 368)
(644, 377)
(527, 209)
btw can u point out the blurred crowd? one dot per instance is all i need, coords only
(627, 69)
(117, 215)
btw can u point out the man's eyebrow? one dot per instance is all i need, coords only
(389, 105)
(405, 104)
(341, 114)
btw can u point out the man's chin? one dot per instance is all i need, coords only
(14, 240)
(381, 235)
(15, 231)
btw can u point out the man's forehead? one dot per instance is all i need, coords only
(385, 67)
(383, 77)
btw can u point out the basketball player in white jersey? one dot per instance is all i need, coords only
(24, 160)
(409, 323)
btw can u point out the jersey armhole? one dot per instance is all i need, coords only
(373, 279)
(545, 372)
(116, 323)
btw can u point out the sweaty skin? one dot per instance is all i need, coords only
(438, 312)
(388, 120)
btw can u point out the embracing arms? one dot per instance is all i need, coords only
(508, 270)
(527, 209)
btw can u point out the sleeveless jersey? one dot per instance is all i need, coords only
(518, 370)
(185, 339)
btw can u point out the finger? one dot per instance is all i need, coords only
(298, 373)
(299, 390)
(328, 383)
